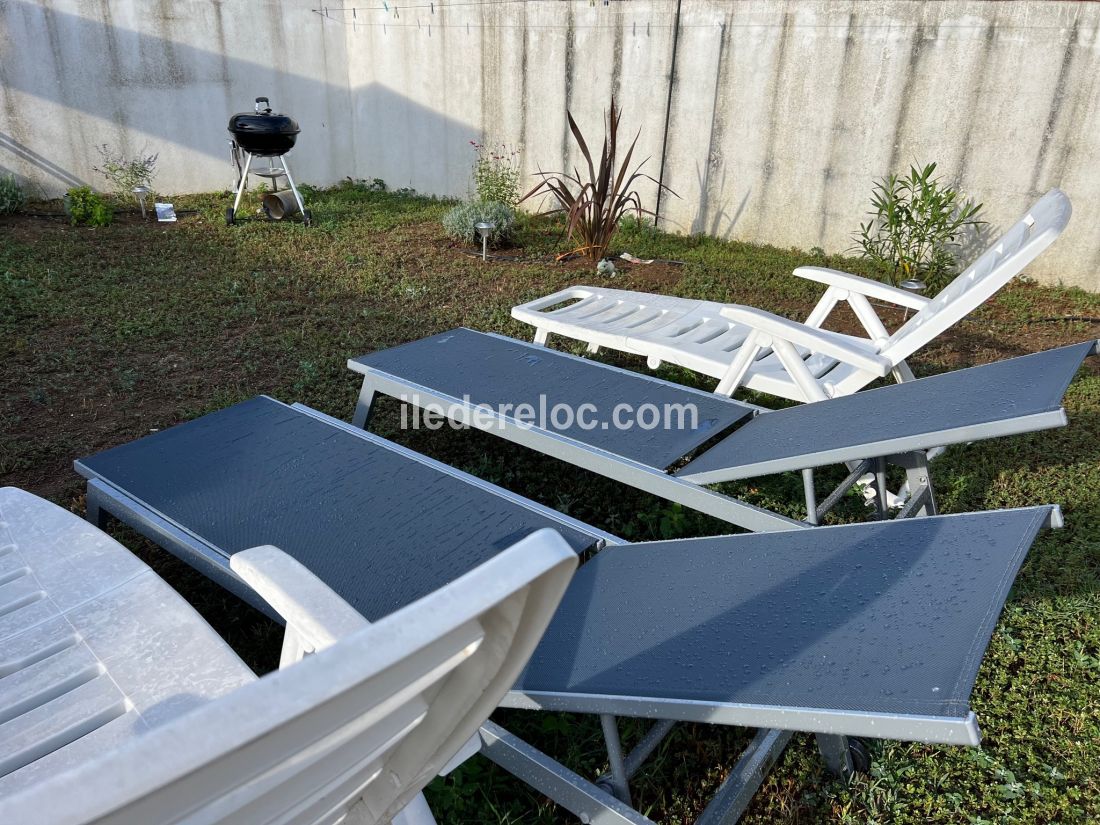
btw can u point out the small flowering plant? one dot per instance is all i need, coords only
(496, 173)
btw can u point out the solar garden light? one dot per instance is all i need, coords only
(914, 285)
(484, 229)
(141, 192)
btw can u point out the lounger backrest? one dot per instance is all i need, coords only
(994, 268)
(382, 709)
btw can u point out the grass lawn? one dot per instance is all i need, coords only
(107, 334)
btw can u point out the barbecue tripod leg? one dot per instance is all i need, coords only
(243, 182)
(297, 196)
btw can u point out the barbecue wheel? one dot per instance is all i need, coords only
(860, 756)
(229, 216)
(307, 217)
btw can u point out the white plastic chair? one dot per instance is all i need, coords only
(746, 347)
(350, 734)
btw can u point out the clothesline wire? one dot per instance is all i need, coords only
(421, 23)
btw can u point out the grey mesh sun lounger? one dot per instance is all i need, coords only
(463, 370)
(767, 630)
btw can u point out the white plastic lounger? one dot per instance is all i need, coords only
(750, 348)
(119, 704)
(666, 630)
(482, 379)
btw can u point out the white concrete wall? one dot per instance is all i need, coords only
(164, 77)
(782, 111)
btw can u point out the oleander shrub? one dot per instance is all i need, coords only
(917, 224)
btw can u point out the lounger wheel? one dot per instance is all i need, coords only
(229, 216)
(859, 754)
(307, 217)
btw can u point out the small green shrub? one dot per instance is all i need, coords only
(496, 173)
(460, 222)
(12, 198)
(87, 208)
(125, 174)
(916, 224)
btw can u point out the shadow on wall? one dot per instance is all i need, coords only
(133, 88)
(154, 93)
(715, 219)
(11, 148)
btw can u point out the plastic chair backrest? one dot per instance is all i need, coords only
(367, 722)
(994, 268)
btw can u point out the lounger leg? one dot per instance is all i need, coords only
(620, 784)
(858, 470)
(541, 337)
(363, 405)
(741, 785)
(570, 790)
(922, 498)
(880, 483)
(594, 349)
(633, 761)
(94, 510)
(834, 750)
(811, 495)
(902, 373)
(416, 812)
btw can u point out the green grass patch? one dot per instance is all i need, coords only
(109, 333)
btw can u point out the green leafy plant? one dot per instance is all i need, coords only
(916, 225)
(125, 174)
(496, 173)
(460, 223)
(87, 208)
(12, 198)
(594, 205)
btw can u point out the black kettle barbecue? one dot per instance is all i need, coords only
(265, 134)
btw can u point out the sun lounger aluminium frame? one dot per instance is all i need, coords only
(479, 379)
(250, 435)
(263, 471)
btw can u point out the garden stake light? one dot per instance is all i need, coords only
(141, 192)
(914, 285)
(484, 229)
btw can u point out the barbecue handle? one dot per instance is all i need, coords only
(260, 100)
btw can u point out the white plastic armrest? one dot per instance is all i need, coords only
(566, 294)
(861, 286)
(840, 347)
(314, 614)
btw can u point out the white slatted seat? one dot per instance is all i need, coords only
(118, 703)
(610, 317)
(746, 347)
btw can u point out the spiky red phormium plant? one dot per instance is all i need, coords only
(594, 206)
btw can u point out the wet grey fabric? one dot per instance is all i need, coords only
(889, 617)
(493, 370)
(380, 528)
(974, 397)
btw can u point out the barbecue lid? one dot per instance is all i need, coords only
(263, 121)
